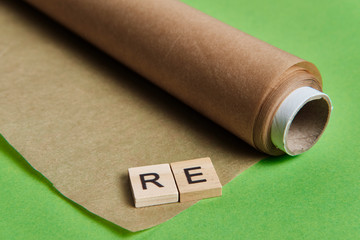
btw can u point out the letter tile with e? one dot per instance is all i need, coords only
(196, 179)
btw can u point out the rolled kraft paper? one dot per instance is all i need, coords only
(234, 79)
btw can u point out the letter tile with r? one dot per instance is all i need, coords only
(153, 185)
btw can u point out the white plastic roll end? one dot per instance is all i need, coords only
(300, 120)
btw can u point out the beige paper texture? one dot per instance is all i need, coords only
(82, 119)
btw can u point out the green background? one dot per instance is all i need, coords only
(312, 196)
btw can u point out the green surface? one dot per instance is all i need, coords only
(312, 196)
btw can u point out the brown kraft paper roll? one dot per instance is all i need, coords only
(232, 78)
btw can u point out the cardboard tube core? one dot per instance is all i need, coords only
(300, 120)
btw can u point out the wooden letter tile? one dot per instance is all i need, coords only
(153, 185)
(196, 179)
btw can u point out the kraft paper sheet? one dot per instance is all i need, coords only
(82, 119)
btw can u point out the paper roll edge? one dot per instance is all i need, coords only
(300, 120)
